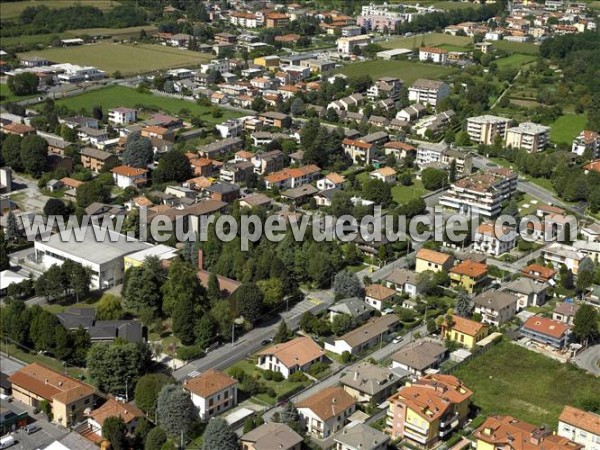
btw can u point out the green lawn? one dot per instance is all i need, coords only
(515, 60)
(115, 96)
(7, 96)
(406, 70)
(509, 379)
(526, 48)
(31, 358)
(452, 48)
(566, 127)
(449, 6)
(427, 39)
(14, 9)
(126, 58)
(403, 194)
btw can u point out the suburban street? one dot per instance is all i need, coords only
(589, 359)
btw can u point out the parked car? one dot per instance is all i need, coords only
(397, 340)
(7, 441)
(30, 429)
(266, 341)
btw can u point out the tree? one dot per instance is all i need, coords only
(97, 112)
(258, 104)
(291, 417)
(109, 308)
(12, 228)
(175, 410)
(272, 290)
(566, 277)
(297, 107)
(11, 151)
(462, 138)
(452, 176)
(585, 324)
(92, 191)
(221, 312)
(155, 439)
(55, 207)
(463, 304)
(378, 191)
(250, 302)
(342, 323)
(116, 366)
(434, 179)
(585, 274)
(138, 151)
(23, 84)
(283, 333)
(173, 166)
(219, 436)
(142, 286)
(213, 290)
(42, 330)
(147, 389)
(181, 287)
(346, 284)
(4, 263)
(34, 151)
(206, 330)
(114, 430)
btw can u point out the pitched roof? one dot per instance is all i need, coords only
(328, 402)
(297, 352)
(419, 355)
(526, 286)
(385, 172)
(379, 292)
(128, 171)
(470, 269)
(49, 384)
(126, 411)
(496, 300)
(335, 178)
(545, 326)
(369, 378)
(95, 153)
(352, 306)
(433, 256)
(466, 326)
(585, 420)
(362, 436)
(272, 436)
(209, 383)
(369, 330)
(402, 277)
(566, 309)
(538, 271)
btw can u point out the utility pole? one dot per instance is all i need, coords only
(232, 334)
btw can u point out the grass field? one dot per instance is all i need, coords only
(427, 39)
(14, 9)
(7, 96)
(509, 379)
(566, 127)
(515, 60)
(406, 70)
(403, 194)
(449, 6)
(114, 32)
(517, 47)
(115, 96)
(128, 59)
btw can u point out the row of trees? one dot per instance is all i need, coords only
(25, 154)
(70, 278)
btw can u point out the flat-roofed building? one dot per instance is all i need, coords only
(484, 129)
(428, 92)
(529, 136)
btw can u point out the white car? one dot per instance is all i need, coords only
(397, 340)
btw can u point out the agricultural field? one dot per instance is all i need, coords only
(515, 60)
(427, 39)
(525, 48)
(126, 58)
(115, 96)
(509, 379)
(566, 127)
(13, 10)
(406, 70)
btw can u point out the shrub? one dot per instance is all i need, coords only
(317, 368)
(190, 352)
(277, 377)
(346, 357)
(237, 373)
(268, 375)
(297, 377)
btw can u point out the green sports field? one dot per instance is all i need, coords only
(427, 39)
(566, 127)
(515, 60)
(115, 96)
(525, 48)
(12, 10)
(126, 58)
(406, 70)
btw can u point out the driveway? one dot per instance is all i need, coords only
(589, 359)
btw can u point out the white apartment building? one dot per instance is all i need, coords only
(127, 176)
(345, 45)
(580, 426)
(484, 129)
(428, 153)
(482, 193)
(212, 392)
(243, 19)
(222, 65)
(122, 116)
(528, 136)
(385, 87)
(494, 242)
(428, 92)
(587, 140)
(561, 254)
(360, 152)
(433, 54)
(351, 30)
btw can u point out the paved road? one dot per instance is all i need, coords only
(250, 343)
(589, 359)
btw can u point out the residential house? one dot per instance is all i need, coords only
(561, 254)
(81, 122)
(74, 318)
(360, 152)
(127, 176)
(223, 192)
(290, 357)
(412, 112)
(293, 177)
(238, 172)
(122, 116)
(565, 312)
(331, 181)
(276, 20)
(353, 307)
(385, 174)
(432, 260)
(268, 162)
(220, 148)
(419, 356)
(368, 383)
(275, 119)
(433, 54)
(271, 436)
(403, 281)
(346, 45)
(530, 292)
(528, 136)
(256, 201)
(464, 331)
(385, 87)
(483, 193)
(581, 427)
(243, 19)
(129, 413)
(428, 92)
(212, 392)
(359, 436)
(365, 336)
(376, 295)
(400, 150)
(494, 241)
(587, 141)
(546, 331)
(67, 397)
(326, 412)
(428, 410)
(589, 250)
(230, 128)
(428, 153)
(469, 275)
(593, 166)
(495, 307)
(509, 433)
(484, 129)
(92, 136)
(18, 129)
(539, 273)
(299, 195)
(591, 232)
(56, 144)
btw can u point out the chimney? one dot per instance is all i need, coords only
(200, 259)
